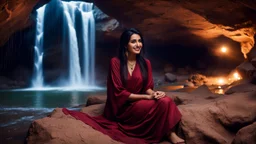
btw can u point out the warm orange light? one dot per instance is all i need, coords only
(236, 76)
(221, 81)
(219, 91)
(223, 49)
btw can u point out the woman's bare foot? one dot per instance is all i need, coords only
(175, 139)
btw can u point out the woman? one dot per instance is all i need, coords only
(134, 113)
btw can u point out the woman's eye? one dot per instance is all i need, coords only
(133, 41)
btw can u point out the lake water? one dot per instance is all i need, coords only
(18, 108)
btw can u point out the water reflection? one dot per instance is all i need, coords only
(38, 101)
(74, 99)
(42, 99)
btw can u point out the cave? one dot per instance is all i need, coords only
(54, 49)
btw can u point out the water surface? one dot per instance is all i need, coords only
(18, 108)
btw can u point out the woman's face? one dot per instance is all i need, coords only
(135, 44)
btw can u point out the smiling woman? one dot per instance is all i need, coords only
(134, 113)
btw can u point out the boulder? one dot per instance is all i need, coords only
(253, 61)
(203, 120)
(61, 128)
(99, 99)
(189, 84)
(246, 69)
(254, 78)
(252, 54)
(168, 68)
(241, 88)
(182, 71)
(198, 79)
(94, 110)
(215, 122)
(169, 77)
(202, 90)
(246, 135)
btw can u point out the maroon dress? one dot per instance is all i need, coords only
(142, 121)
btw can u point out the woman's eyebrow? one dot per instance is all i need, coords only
(135, 39)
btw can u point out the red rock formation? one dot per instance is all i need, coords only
(196, 21)
(214, 120)
(246, 135)
(14, 16)
(176, 21)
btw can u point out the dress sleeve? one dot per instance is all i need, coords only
(150, 82)
(120, 93)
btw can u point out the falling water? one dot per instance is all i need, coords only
(37, 81)
(89, 45)
(77, 78)
(81, 57)
(74, 65)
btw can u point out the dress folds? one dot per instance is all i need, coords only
(142, 121)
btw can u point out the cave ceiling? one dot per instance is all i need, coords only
(188, 22)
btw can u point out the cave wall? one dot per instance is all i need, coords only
(181, 33)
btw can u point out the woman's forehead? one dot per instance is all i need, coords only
(135, 36)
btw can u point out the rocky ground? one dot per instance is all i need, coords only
(207, 118)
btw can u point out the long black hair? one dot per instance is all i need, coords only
(124, 40)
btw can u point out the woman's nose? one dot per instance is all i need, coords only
(138, 44)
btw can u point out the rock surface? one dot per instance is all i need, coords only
(175, 21)
(166, 21)
(241, 88)
(219, 119)
(169, 77)
(246, 135)
(189, 84)
(198, 79)
(60, 128)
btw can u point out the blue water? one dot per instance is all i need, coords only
(18, 109)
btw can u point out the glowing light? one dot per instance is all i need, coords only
(220, 91)
(236, 76)
(223, 49)
(221, 81)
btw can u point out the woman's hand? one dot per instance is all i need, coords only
(158, 94)
(150, 97)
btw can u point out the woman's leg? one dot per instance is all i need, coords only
(173, 137)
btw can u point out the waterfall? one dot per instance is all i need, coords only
(74, 65)
(77, 78)
(81, 65)
(89, 45)
(37, 80)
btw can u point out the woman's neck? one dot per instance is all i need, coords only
(131, 57)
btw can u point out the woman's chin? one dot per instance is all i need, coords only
(136, 52)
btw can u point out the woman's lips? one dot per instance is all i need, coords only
(137, 49)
